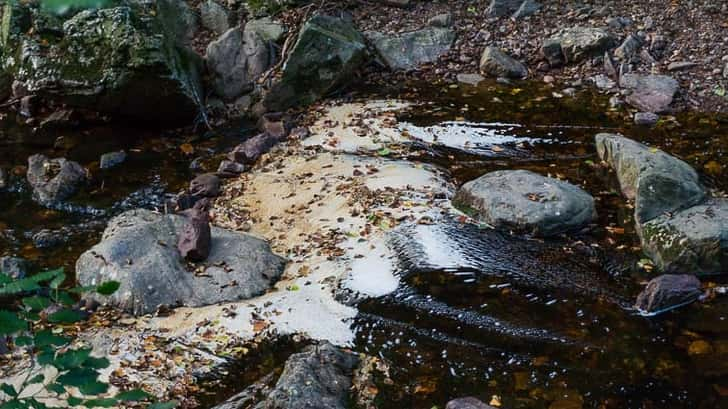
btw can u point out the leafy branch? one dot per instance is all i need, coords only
(40, 307)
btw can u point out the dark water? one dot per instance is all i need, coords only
(157, 165)
(547, 325)
(526, 324)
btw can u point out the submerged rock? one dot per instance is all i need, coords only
(14, 267)
(499, 64)
(656, 181)
(526, 201)
(575, 44)
(236, 60)
(694, 240)
(667, 292)
(650, 93)
(320, 377)
(467, 403)
(54, 180)
(138, 249)
(408, 51)
(128, 61)
(112, 159)
(327, 54)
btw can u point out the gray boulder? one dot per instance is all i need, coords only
(496, 63)
(138, 249)
(526, 201)
(320, 377)
(694, 240)
(129, 61)
(326, 56)
(629, 48)
(656, 181)
(646, 118)
(54, 180)
(408, 51)
(668, 292)
(650, 93)
(575, 44)
(236, 60)
(443, 20)
(267, 28)
(214, 16)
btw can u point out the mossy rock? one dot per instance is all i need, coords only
(126, 61)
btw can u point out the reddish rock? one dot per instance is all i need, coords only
(195, 238)
(205, 185)
(249, 151)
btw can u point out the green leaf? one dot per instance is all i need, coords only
(23, 341)
(4, 279)
(78, 377)
(96, 363)
(74, 401)
(65, 316)
(46, 356)
(72, 359)
(36, 379)
(93, 388)
(10, 323)
(108, 287)
(37, 303)
(133, 395)
(56, 282)
(100, 403)
(164, 405)
(9, 390)
(384, 152)
(63, 297)
(48, 338)
(57, 388)
(14, 404)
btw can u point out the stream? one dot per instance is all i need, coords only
(472, 326)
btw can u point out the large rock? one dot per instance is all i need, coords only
(408, 51)
(693, 241)
(577, 43)
(326, 56)
(54, 180)
(214, 16)
(138, 249)
(649, 93)
(526, 201)
(496, 63)
(267, 28)
(656, 181)
(127, 61)
(236, 60)
(320, 377)
(668, 292)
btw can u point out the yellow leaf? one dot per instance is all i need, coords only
(187, 148)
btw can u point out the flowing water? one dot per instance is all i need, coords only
(515, 321)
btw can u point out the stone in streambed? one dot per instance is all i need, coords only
(229, 169)
(54, 180)
(205, 185)
(325, 57)
(14, 267)
(249, 151)
(194, 239)
(112, 159)
(646, 119)
(656, 181)
(650, 93)
(496, 63)
(694, 240)
(236, 60)
(575, 44)
(320, 377)
(667, 292)
(526, 201)
(467, 403)
(407, 51)
(138, 249)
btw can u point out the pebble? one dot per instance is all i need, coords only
(646, 118)
(548, 79)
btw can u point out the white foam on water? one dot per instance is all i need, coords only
(470, 136)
